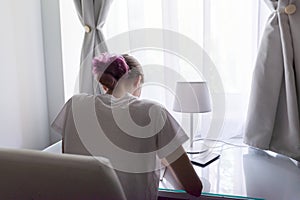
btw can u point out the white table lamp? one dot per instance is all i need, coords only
(192, 97)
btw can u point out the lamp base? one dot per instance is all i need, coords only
(196, 148)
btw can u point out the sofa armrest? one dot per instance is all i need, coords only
(28, 174)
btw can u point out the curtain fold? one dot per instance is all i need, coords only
(92, 15)
(273, 113)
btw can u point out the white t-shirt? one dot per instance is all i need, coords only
(133, 134)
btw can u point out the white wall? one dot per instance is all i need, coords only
(23, 102)
(53, 60)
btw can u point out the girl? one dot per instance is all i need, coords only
(133, 134)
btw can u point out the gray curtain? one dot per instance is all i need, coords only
(273, 114)
(92, 15)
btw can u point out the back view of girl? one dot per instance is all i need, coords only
(135, 135)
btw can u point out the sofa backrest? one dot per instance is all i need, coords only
(27, 174)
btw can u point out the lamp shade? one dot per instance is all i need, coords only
(192, 97)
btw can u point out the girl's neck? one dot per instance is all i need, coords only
(116, 93)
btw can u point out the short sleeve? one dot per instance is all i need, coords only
(172, 135)
(59, 122)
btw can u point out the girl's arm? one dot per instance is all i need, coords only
(184, 172)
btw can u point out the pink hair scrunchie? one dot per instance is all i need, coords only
(109, 68)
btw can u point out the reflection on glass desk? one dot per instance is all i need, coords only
(242, 173)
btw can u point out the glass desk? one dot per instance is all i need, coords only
(242, 173)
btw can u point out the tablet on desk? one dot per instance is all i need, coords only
(204, 160)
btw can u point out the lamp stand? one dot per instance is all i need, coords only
(191, 130)
(199, 148)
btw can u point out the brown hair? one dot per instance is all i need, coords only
(134, 66)
(109, 68)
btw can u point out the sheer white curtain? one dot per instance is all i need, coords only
(228, 30)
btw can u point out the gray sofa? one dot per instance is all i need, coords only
(26, 174)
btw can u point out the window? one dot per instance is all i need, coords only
(228, 30)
